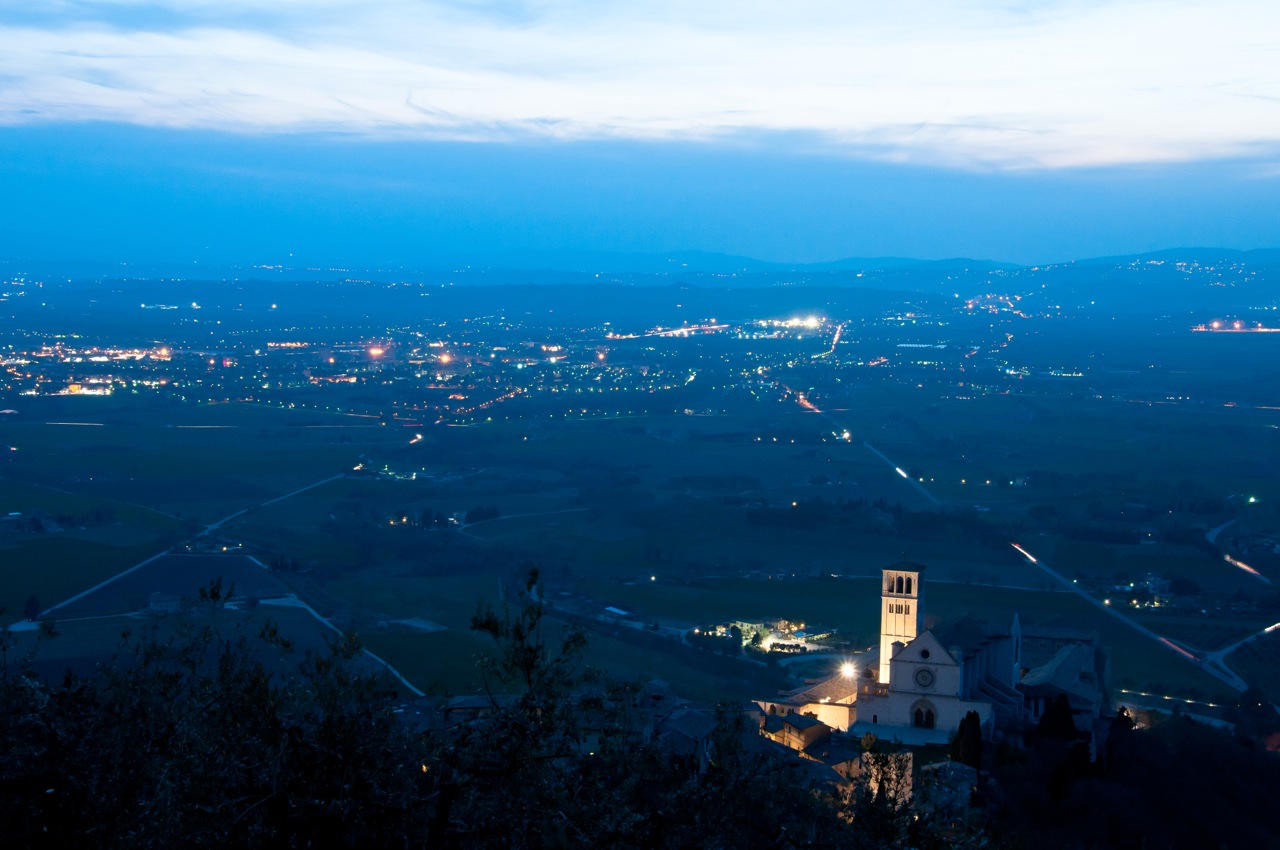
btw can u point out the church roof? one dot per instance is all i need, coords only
(966, 633)
(834, 689)
(904, 564)
(1070, 670)
(1060, 628)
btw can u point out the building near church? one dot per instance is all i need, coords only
(920, 684)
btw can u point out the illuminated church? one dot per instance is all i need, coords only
(919, 685)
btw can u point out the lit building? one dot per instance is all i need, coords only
(920, 685)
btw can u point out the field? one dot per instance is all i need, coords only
(175, 577)
(1259, 662)
(684, 519)
(56, 568)
(195, 464)
(109, 622)
(1147, 452)
(852, 607)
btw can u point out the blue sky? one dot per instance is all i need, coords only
(394, 131)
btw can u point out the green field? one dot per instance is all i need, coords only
(1259, 663)
(176, 577)
(697, 503)
(1000, 437)
(56, 568)
(1200, 632)
(201, 462)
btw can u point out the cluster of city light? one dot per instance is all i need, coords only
(1234, 327)
(810, 322)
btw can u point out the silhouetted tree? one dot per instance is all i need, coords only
(192, 740)
(1056, 723)
(966, 746)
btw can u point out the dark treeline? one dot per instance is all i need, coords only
(1174, 784)
(192, 740)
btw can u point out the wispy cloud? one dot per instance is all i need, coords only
(976, 84)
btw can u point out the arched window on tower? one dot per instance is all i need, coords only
(898, 585)
(888, 584)
(908, 585)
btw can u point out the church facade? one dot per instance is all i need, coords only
(920, 684)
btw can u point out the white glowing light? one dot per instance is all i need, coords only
(1027, 555)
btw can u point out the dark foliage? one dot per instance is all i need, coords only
(482, 513)
(1056, 723)
(192, 741)
(966, 746)
(1177, 784)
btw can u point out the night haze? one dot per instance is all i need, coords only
(436, 132)
(591, 424)
(134, 194)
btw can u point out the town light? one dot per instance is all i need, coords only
(847, 669)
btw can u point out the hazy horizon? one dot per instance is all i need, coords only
(398, 133)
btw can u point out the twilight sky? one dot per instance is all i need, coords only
(407, 131)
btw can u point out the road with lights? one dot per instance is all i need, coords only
(1211, 663)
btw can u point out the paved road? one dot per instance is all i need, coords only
(292, 601)
(1218, 671)
(919, 488)
(462, 528)
(1212, 534)
(103, 584)
(914, 483)
(1219, 656)
(207, 529)
(216, 525)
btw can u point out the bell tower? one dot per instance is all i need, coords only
(900, 594)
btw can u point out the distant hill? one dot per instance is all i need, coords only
(684, 262)
(1257, 257)
(537, 267)
(1184, 279)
